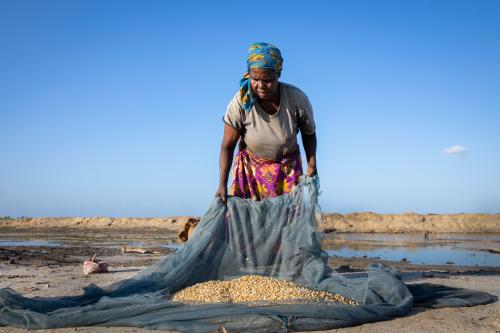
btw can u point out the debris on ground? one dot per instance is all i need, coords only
(92, 266)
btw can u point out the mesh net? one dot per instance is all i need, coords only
(276, 238)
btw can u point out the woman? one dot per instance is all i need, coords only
(266, 115)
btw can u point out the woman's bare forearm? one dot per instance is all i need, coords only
(225, 162)
(310, 143)
(229, 141)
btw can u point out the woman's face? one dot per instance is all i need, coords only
(264, 83)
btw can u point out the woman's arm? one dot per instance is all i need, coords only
(309, 142)
(227, 146)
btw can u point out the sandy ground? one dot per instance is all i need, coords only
(56, 270)
(46, 275)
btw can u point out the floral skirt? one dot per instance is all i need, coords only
(257, 178)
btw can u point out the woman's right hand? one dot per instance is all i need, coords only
(222, 193)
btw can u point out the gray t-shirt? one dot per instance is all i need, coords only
(272, 136)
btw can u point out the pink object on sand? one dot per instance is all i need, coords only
(91, 266)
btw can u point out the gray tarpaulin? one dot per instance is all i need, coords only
(275, 237)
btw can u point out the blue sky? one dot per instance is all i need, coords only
(113, 108)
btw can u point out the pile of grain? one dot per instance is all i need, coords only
(254, 288)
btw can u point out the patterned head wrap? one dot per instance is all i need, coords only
(260, 55)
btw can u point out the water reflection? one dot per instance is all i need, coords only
(437, 249)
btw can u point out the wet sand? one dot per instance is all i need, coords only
(55, 269)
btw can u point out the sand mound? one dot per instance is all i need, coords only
(412, 222)
(168, 223)
(354, 222)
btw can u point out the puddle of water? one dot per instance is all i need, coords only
(29, 243)
(438, 249)
(428, 255)
(77, 238)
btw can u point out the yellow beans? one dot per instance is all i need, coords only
(254, 288)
